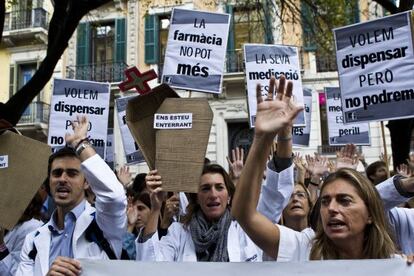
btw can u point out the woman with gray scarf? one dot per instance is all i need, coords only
(207, 232)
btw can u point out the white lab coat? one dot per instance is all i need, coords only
(401, 219)
(110, 213)
(14, 242)
(178, 245)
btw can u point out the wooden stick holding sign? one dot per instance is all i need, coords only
(384, 144)
(181, 150)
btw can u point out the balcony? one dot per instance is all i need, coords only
(34, 121)
(23, 26)
(100, 72)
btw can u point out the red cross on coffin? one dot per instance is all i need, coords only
(137, 80)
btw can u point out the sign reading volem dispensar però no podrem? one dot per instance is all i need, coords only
(196, 50)
(73, 97)
(265, 61)
(339, 133)
(375, 65)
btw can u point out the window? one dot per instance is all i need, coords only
(249, 24)
(100, 52)
(156, 37)
(240, 135)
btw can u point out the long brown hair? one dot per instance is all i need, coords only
(193, 206)
(378, 242)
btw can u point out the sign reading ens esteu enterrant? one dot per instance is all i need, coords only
(375, 65)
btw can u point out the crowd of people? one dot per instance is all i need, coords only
(272, 205)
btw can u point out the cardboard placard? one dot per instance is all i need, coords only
(180, 152)
(140, 119)
(25, 172)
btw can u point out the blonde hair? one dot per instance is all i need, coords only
(378, 242)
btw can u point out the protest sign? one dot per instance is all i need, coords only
(375, 64)
(132, 152)
(196, 50)
(339, 133)
(109, 156)
(301, 134)
(389, 267)
(140, 119)
(265, 61)
(180, 152)
(23, 168)
(74, 97)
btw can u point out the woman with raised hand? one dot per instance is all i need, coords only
(351, 225)
(207, 233)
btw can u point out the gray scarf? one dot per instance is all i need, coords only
(210, 240)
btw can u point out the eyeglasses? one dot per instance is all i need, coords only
(69, 172)
(300, 195)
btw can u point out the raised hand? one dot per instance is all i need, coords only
(236, 163)
(80, 131)
(347, 157)
(404, 170)
(317, 165)
(172, 207)
(124, 176)
(154, 185)
(275, 113)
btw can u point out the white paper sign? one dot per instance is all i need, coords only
(300, 134)
(74, 97)
(132, 152)
(196, 50)
(4, 161)
(375, 65)
(109, 158)
(339, 133)
(173, 121)
(265, 61)
(388, 267)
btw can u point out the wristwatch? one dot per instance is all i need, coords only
(81, 147)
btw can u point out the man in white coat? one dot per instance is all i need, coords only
(76, 229)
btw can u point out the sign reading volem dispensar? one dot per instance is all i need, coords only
(196, 50)
(265, 61)
(375, 65)
(73, 97)
(340, 133)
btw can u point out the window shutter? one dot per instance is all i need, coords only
(230, 42)
(11, 80)
(120, 42)
(308, 37)
(151, 39)
(83, 42)
(268, 23)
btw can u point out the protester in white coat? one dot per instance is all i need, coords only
(394, 192)
(54, 247)
(208, 232)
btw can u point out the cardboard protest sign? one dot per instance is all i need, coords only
(132, 152)
(140, 119)
(196, 50)
(180, 152)
(340, 133)
(109, 156)
(23, 168)
(301, 134)
(74, 97)
(375, 64)
(265, 61)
